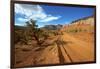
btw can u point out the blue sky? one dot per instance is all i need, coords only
(47, 14)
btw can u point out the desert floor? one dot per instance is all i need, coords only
(60, 49)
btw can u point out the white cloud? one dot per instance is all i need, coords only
(50, 18)
(20, 24)
(22, 19)
(27, 10)
(35, 12)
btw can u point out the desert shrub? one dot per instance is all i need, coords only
(80, 30)
(33, 31)
(26, 49)
(20, 37)
(17, 37)
(69, 31)
(75, 31)
(85, 30)
(55, 33)
(50, 33)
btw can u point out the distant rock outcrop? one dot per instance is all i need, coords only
(86, 24)
(85, 20)
(53, 27)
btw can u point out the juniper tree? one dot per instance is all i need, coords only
(36, 32)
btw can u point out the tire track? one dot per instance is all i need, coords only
(60, 55)
(60, 44)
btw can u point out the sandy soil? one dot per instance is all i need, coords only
(61, 49)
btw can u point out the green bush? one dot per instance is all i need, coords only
(20, 37)
(80, 30)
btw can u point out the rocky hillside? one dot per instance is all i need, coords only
(52, 27)
(86, 20)
(81, 25)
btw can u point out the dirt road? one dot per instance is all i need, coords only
(75, 49)
(65, 49)
(71, 49)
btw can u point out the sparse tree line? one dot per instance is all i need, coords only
(32, 32)
(77, 30)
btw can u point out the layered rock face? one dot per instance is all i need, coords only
(81, 25)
